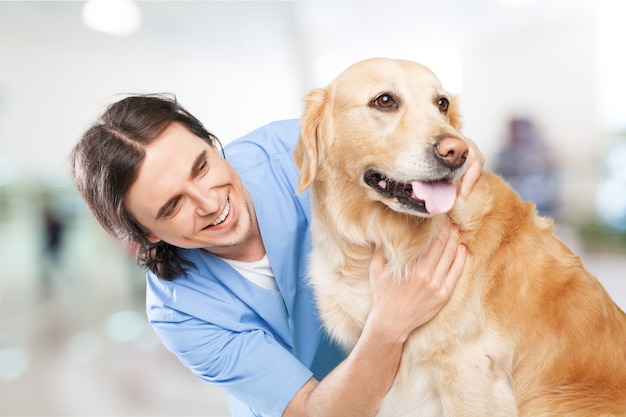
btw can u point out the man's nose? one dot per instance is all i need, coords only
(207, 201)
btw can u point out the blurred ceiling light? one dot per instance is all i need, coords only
(115, 17)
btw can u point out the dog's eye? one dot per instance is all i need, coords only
(443, 104)
(384, 102)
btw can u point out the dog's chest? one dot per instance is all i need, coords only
(456, 364)
(469, 379)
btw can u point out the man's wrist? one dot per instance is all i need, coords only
(383, 331)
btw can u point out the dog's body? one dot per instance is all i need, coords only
(528, 331)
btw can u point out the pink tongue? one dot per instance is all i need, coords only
(438, 196)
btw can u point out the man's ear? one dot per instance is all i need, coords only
(307, 151)
(152, 238)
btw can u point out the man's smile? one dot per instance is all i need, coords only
(222, 215)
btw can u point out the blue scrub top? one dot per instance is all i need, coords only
(260, 345)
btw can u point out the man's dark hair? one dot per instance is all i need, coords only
(105, 163)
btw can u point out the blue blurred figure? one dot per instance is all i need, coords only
(525, 163)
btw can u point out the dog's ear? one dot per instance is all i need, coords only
(454, 113)
(307, 151)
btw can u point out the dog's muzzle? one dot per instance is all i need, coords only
(428, 197)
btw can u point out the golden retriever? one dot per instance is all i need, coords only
(528, 331)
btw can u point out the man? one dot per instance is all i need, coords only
(225, 242)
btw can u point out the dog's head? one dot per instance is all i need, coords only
(387, 130)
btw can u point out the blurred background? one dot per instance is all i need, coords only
(541, 87)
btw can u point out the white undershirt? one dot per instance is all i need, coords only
(258, 272)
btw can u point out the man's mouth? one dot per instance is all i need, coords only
(222, 215)
(429, 197)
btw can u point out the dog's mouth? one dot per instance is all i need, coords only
(428, 197)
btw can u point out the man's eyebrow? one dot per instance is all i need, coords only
(192, 173)
(165, 208)
(196, 164)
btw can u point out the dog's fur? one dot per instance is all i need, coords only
(528, 331)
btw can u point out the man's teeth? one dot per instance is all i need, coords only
(223, 215)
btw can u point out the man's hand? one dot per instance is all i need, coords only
(401, 306)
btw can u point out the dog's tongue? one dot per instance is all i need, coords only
(438, 196)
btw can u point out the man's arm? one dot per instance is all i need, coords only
(358, 385)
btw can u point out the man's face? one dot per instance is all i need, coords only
(187, 195)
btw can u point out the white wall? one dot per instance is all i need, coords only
(547, 75)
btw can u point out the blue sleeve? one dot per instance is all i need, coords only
(251, 365)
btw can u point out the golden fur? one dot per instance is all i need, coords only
(528, 331)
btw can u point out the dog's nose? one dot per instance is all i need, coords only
(451, 151)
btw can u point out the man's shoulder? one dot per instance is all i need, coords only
(273, 141)
(274, 137)
(279, 128)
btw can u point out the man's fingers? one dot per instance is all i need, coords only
(457, 268)
(378, 262)
(448, 255)
(476, 161)
(469, 179)
(432, 258)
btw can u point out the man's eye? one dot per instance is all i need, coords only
(202, 167)
(173, 208)
(385, 102)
